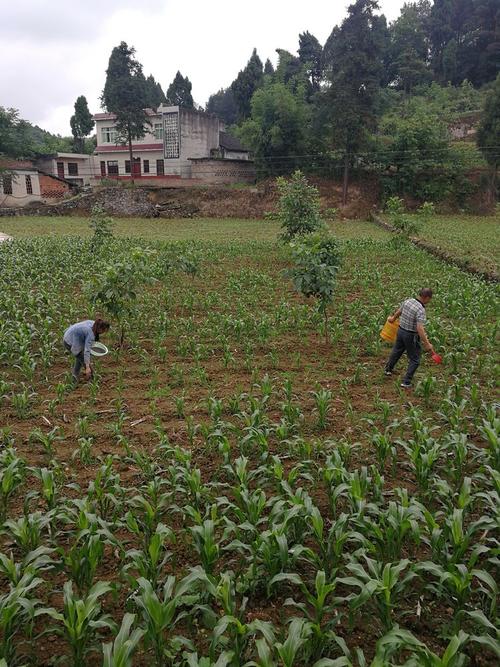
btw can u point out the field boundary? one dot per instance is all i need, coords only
(438, 252)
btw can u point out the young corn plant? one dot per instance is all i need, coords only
(322, 401)
(120, 652)
(320, 609)
(80, 620)
(149, 563)
(12, 475)
(17, 612)
(47, 440)
(160, 614)
(230, 631)
(27, 531)
(380, 585)
(206, 544)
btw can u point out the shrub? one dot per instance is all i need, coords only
(317, 260)
(298, 207)
(102, 225)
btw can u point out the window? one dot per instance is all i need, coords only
(145, 166)
(7, 185)
(171, 139)
(60, 169)
(29, 185)
(160, 167)
(103, 168)
(108, 135)
(127, 166)
(158, 130)
(73, 168)
(113, 167)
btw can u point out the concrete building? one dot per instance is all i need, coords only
(175, 138)
(76, 168)
(22, 183)
(19, 183)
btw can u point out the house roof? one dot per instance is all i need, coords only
(231, 143)
(112, 116)
(10, 163)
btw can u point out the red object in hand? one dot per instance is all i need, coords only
(437, 358)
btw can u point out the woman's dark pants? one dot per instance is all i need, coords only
(79, 363)
(409, 342)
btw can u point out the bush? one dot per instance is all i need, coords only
(317, 260)
(402, 223)
(426, 211)
(298, 207)
(102, 225)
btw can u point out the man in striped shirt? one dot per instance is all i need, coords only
(410, 333)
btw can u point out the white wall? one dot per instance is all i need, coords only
(19, 195)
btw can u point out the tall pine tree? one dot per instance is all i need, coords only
(223, 105)
(179, 92)
(355, 72)
(154, 93)
(311, 55)
(81, 123)
(246, 83)
(124, 95)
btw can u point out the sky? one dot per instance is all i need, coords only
(52, 51)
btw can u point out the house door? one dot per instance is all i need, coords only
(60, 169)
(103, 168)
(136, 167)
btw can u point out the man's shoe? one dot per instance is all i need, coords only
(406, 385)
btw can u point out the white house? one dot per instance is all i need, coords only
(76, 168)
(175, 138)
(22, 183)
(19, 185)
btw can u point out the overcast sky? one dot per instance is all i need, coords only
(51, 51)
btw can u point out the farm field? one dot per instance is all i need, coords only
(473, 239)
(208, 229)
(230, 488)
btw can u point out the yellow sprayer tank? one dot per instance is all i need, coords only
(390, 331)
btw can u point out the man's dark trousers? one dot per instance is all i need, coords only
(409, 342)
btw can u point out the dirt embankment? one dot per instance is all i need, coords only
(256, 201)
(205, 201)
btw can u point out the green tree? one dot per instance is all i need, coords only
(223, 105)
(317, 260)
(409, 46)
(356, 64)
(246, 83)
(419, 161)
(298, 206)
(14, 134)
(81, 123)
(116, 289)
(154, 93)
(268, 68)
(179, 92)
(488, 135)
(311, 55)
(277, 129)
(124, 95)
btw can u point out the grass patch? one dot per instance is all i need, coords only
(208, 229)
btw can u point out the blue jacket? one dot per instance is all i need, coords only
(80, 337)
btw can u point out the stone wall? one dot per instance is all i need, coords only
(223, 171)
(118, 201)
